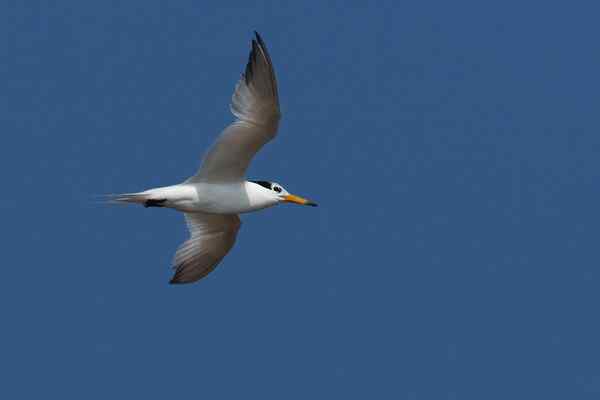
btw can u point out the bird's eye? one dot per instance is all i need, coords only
(277, 189)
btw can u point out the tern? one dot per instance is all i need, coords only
(212, 199)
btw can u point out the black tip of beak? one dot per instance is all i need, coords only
(312, 204)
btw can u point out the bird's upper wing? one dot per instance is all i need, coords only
(211, 237)
(255, 104)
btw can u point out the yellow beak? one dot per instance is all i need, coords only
(290, 198)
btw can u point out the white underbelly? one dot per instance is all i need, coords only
(218, 199)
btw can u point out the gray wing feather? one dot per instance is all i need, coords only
(211, 238)
(255, 104)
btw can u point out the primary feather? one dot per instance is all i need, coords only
(255, 104)
(211, 238)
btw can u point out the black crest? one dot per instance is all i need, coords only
(265, 184)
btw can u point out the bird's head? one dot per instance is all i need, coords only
(282, 195)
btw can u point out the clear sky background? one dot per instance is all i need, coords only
(453, 148)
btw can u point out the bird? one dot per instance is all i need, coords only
(212, 199)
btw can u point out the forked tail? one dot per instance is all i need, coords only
(149, 198)
(139, 198)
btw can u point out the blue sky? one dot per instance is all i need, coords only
(452, 147)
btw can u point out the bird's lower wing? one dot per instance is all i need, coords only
(211, 238)
(255, 104)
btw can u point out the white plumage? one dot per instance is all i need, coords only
(212, 198)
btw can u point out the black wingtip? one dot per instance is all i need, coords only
(251, 59)
(176, 280)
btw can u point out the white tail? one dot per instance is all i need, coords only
(140, 198)
(156, 197)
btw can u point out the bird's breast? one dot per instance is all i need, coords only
(222, 198)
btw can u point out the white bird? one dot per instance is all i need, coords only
(212, 199)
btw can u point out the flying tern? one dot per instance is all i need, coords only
(212, 199)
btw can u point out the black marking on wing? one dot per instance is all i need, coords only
(184, 272)
(263, 49)
(259, 49)
(249, 73)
